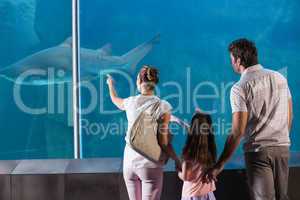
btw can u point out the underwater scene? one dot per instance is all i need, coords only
(187, 41)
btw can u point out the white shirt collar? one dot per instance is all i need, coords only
(252, 69)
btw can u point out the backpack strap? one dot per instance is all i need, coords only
(148, 104)
(143, 108)
(155, 110)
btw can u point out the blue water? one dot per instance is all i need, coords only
(194, 36)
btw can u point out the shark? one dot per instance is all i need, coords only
(54, 65)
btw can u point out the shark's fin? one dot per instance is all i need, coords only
(134, 56)
(67, 42)
(105, 50)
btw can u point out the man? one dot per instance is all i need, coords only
(262, 114)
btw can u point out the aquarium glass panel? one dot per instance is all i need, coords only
(35, 75)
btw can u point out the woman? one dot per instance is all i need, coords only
(144, 178)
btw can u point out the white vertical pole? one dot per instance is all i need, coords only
(75, 73)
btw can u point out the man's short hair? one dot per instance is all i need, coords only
(245, 50)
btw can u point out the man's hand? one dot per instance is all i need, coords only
(212, 173)
(239, 122)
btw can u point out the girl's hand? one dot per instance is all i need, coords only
(180, 122)
(198, 110)
(109, 80)
(174, 119)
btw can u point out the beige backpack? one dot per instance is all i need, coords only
(144, 133)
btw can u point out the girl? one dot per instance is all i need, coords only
(199, 154)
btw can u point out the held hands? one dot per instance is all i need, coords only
(212, 173)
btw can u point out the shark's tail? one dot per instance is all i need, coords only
(134, 56)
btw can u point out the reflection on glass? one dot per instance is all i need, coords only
(34, 69)
(192, 58)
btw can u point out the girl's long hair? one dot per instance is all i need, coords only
(200, 143)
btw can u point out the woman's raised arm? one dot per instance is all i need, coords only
(119, 102)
